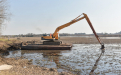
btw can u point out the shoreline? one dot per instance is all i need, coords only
(15, 43)
(25, 67)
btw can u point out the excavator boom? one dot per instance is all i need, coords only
(55, 34)
(65, 25)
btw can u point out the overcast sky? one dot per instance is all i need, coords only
(37, 16)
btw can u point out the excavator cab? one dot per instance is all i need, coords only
(46, 37)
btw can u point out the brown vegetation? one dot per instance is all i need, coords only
(74, 40)
(88, 40)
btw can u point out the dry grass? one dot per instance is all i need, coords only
(89, 40)
(73, 40)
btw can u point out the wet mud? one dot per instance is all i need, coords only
(79, 60)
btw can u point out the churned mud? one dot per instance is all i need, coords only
(25, 67)
(79, 60)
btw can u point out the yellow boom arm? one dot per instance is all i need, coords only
(55, 34)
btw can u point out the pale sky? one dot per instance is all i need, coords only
(34, 16)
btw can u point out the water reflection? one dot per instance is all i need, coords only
(52, 57)
(80, 59)
(43, 58)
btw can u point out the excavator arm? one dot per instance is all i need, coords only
(55, 34)
(91, 26)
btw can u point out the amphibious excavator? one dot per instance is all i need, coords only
(54, 38)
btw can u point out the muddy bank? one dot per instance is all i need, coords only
(13, 44)
(24, 67)
(6, 45)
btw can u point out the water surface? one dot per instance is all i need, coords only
(80, 59)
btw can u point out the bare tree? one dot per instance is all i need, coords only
(3, 13)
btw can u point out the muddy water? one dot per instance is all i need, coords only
(80, 59)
